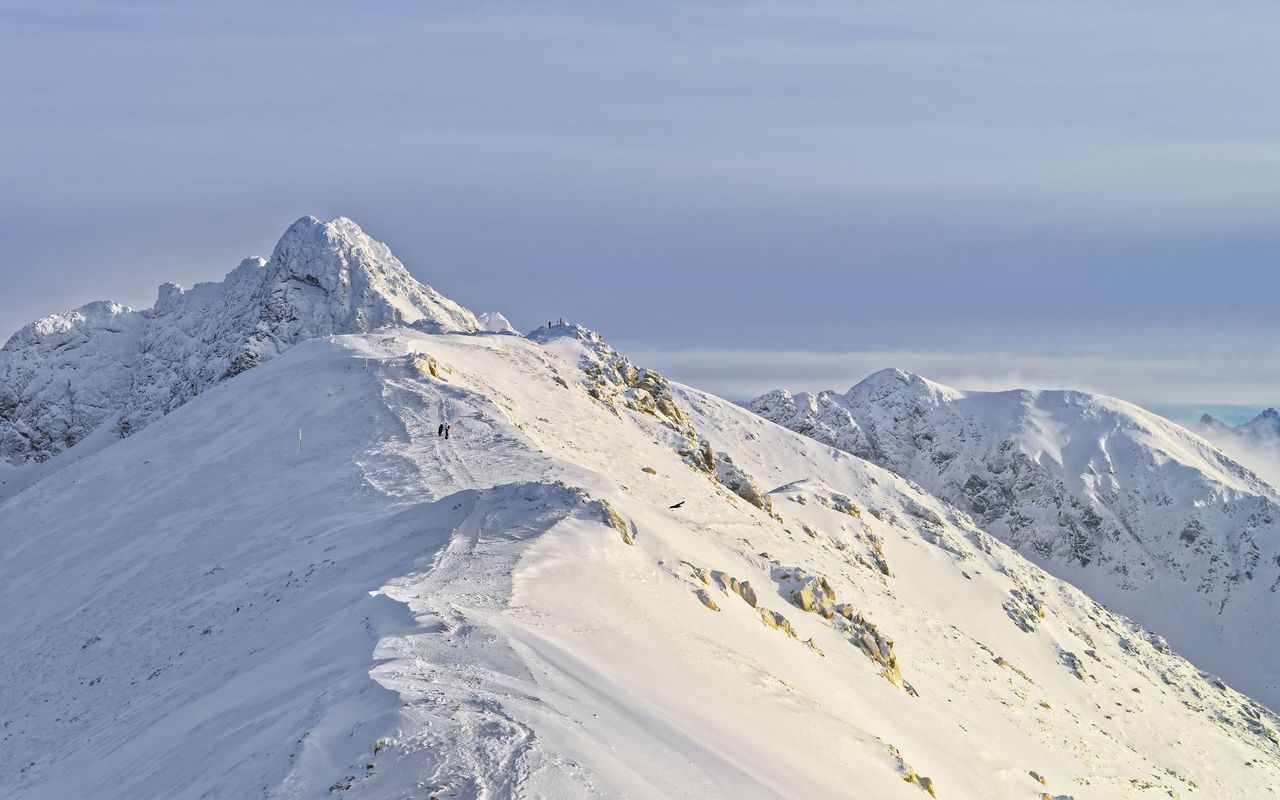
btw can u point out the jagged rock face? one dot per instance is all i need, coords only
(1146, 516)
(740, 483)
(612, 378)
(104, 364)
(49, 398)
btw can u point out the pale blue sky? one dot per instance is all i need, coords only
(743, 194)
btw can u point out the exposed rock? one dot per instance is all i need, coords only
(776, 621)
(743, 589)
(740, 483)
(611, 378)
(425, 365)
(707, 600)
(909, 774)
(611, 518)
(814, 594)
(1024, 608)
(1073, 663)
(840, 503)
(700, 456)
(1001, 661)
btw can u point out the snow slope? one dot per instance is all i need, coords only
(208, 608)
(1143, 515)
(67, 375)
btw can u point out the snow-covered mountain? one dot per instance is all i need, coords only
(1264, 428)
(67, 375)
(1260, 434)
(601, 585)
(1255, 443)
(1145, 516)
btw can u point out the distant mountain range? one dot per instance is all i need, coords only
(1146, 516)
(1263, 430)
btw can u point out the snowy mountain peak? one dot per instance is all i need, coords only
(1256, 442)
(495, 322)
(99, 313)
(328, 250)
(903, 383)
(68, 374)
(356, 281)
(1268, 421)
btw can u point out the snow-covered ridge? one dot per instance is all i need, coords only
(588, 590)
(1144, 515)
(554, 602)
(65, 375)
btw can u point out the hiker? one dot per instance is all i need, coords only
(440, 430)
(447, 426)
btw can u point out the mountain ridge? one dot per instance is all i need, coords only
(1144, 515)
(602, 584)
(380, 612)
(65, 375)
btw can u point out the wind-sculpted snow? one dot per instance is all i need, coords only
(1144, 515)
(64, 376)
(495, 322)
(294, 586)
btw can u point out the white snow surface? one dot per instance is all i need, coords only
(292, 587)
(1145, 516)
(67, 375)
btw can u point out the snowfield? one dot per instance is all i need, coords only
(600, 585)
